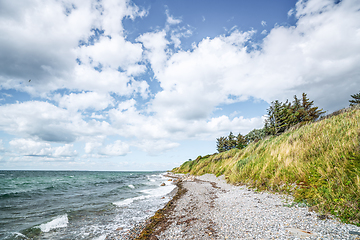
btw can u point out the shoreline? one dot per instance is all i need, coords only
(206, 207)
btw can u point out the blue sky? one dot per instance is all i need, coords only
(147, 85)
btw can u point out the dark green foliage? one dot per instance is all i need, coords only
(275, 123)
(282, 116)
(241, 141)
(310, 113)
(226, 143)
(220, 144)
(231, 141)
(355, 100)
(255, 135)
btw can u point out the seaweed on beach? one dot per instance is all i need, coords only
(158, 222)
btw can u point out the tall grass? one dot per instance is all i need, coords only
(318, 164)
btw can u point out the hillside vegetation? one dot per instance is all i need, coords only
(319, 164)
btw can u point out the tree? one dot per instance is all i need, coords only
(241, 141)
(273, 123)
(255, 135)
(355, 100)
(311, 113)
(220, 144)
(231, 141)
(282, 116)
(226, 143)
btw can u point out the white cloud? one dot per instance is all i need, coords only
(51, 35)
(291, 12)
(91, 146)
(315, 7)
(154, 147)
(170, 19)
(96, 116)
(109, 80)
(179, 33)
(323, 49)
(46, 122)
(1, 146)
(263, 23)
(130, 122)
(64, 151)
(85, 100)
(155, 44)
(53, 29)
(29, 147)
(115, 52)
(119, 148)
(195, 82)
(320, 55)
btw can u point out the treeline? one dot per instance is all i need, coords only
(280, 117)
(226, 143)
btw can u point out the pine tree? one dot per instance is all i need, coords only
(273, 123)
(295, 116)
(255, 135)
(220, 144)
(285, 116)
(311, 113)
(240, 141)
(355, 100)
(231, 141)
(282, 116)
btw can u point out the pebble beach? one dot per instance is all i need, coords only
(213, 209)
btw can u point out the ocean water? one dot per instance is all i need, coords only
(77, 204)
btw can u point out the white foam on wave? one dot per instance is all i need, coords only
(160, 191)
(131, 186)
(102, 237)
(153, 178)
(124, 202)
(150, 193)
(58, 222)
(17, 234)
(129, 201)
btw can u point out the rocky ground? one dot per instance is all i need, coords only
(209, 208)
(213, 209)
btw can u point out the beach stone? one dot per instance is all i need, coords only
(354, 233)
(163, 184)
(299, 232)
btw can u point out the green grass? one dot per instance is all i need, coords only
(318, 163)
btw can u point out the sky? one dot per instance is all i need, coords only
(148, 84)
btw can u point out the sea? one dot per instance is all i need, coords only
(78, 204)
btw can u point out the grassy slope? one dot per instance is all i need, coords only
(318, 163)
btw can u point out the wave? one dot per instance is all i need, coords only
(15, 235)
(102, 237)
(150, 193)
(58, 222)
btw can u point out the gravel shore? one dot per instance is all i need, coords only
(213, 209)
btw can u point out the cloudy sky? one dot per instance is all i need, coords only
(147, 85)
